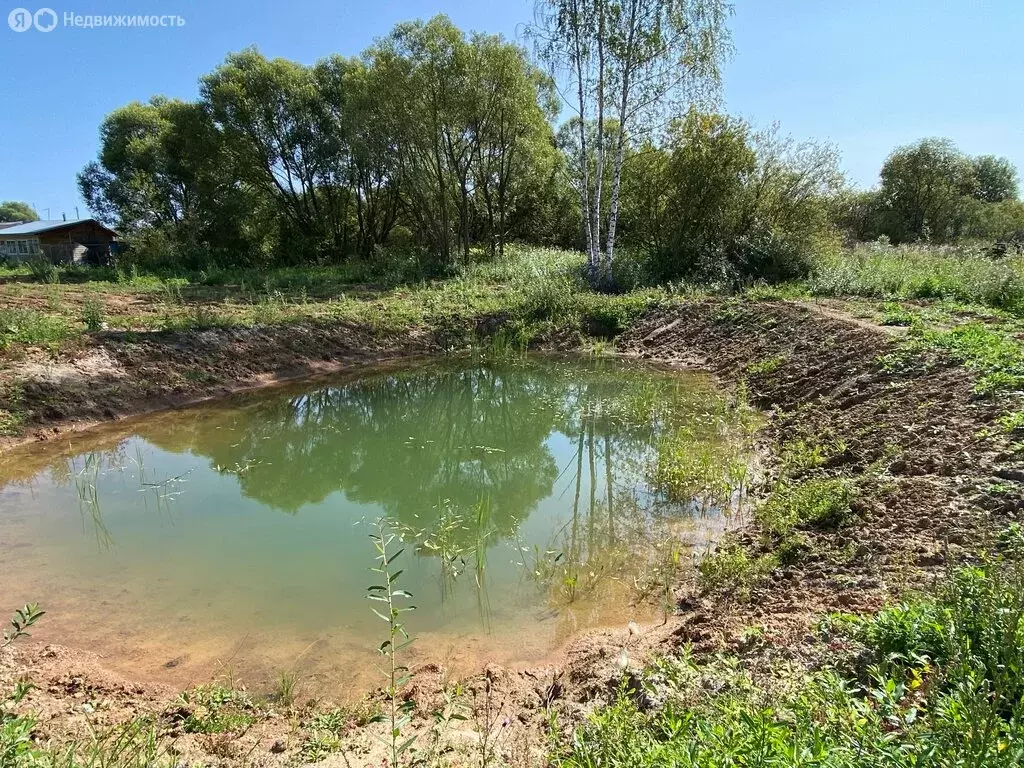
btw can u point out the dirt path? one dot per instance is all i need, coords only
(905, 431)
(839, 310)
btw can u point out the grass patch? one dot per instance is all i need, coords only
(534, 292)
(33, 328)
(216, 709)
(971, 630)
(819, 503)
(996, 356)
(804, 454)
(1011, 422)
(894, 314)
(952, 273)
(730, 569)
(12, 413)
(767, 366)
(944, 689)
(323, 731)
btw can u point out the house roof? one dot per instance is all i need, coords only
(38, 227)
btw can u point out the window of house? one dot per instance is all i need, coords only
(23, 246)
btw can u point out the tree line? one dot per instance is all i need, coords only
(931, 191)
(436, 145)
(430, 137)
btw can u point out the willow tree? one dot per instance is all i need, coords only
(630, 65)
(282, 143)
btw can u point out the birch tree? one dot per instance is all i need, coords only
(644, 61)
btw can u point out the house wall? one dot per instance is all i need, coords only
(67, 244)
(15, 246)
(86, 233)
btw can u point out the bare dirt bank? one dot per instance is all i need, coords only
(123, 374)
(906, 430)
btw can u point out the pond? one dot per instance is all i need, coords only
(535, 498)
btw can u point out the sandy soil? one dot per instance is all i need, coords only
(911, 437)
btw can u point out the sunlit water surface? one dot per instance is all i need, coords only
(234, 537)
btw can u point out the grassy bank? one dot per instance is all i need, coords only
(930, 681)
(534, 291)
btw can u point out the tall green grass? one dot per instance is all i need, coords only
(961, 274)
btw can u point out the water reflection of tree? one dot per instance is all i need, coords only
(447, 437)
(624, 529)
(404, 442)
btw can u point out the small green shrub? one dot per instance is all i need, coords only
(800, 455)
(17, 745)
(1011, 541)
(92, 313)
(792, 548)
(730, 569)
(819, 502)
(318, 745)
(43, 270)
(905, 632)
(767, 366)
(1011, 422)
(894, 314)
(216, 708)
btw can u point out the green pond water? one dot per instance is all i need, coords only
(234, 537)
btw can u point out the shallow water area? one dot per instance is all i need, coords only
(233, 537)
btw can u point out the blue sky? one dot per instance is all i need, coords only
(866, 75)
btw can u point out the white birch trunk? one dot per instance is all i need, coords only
(594, 271)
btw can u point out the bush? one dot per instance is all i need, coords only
(730, 569)
(738, 205)
(811, 503)
(92, 314)
(972, 629)
(43, 270)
